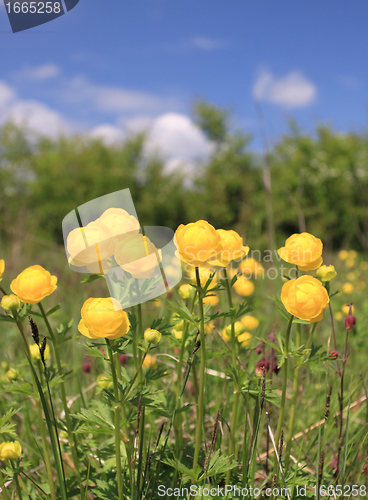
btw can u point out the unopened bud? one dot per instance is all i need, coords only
(326, 273)
(259, 367)
(152, 336)
(333, 355)
(86, 367)
(10, 302)
(350, 320)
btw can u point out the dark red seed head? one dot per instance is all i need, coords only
(350, 320)
(86, 367)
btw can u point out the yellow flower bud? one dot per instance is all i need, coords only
(33, 284)
(347, 288)
(152, 336)
(104, 382)
(5, 366)
(326, 273)
(245, 339)
(186, 291)
(343, 254)
(10, 302)
(213, 300)
(303, 250)
(35, 351)
(305, 297)
(2, 268)
(249, 322)
(243, 286)
(10, 450)
(149, 361)
(12, 374)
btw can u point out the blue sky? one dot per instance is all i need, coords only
(110, 67)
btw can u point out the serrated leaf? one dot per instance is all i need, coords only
(219, 464)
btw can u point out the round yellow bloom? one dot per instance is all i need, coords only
(245, 339)
(204, 274)
(198, 243)
(33, 284)
(35, 351)
(104, 382)
(232, 248)
(364, 265)
(353, 254)
(103, 318)
(326, 273)
(213, 300)
(208, 327)
(149, 361)
(305, 297)
(10, 302)
(137, 255)
(350, 263)
(10, 450)
(303, 250)
(243, 286)
(2, 268)
(251, 268)
(338, 316)
(343, 254)
(90, 246)
(345, 309)
(249, 322)
(238, 330)
(152, 336)
(347, 288)
(186, 291)
(118, 221)
(11, 374)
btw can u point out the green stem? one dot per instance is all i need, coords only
(283, 395)
(39, 413)
(140, 339)
(200, 407)
(234, 416)
(295, 393)
(71, 436)
(19, 491)
(116, 421)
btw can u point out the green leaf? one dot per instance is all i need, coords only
(53, 309)
(92, 277)
(219, 464)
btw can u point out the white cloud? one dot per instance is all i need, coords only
(109, 134)
(292, 90)
(7, 95)
(115, 99)
(204, 43)
(37, 117)
(38, 73)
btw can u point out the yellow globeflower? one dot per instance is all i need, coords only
(33, 284)
(361, 285)
(303, 250)
(208, 327)
(10, 302)
(10, 450)
(243, 286)
(119, 222)
(90, 246)
(2, 268)
(149, 361)
(245, 339)
(232, 248)
(204, 275)
(343, 254)
(137, 255)
(249, 322)
(350, 263)
(198, 243)
(326, 273)
(213, 300)
(251, 268)
(347, 288)
(364, 265)
(152, 336)
(103, 318)
(353, 254)
(305, 297)
(338, 315)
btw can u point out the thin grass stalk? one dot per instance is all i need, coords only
(234, 415)
(71, 435)
(116, 421)
(284, 385)
(16, 480)
(200, 407)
